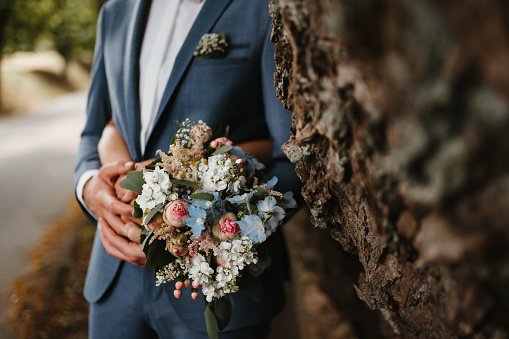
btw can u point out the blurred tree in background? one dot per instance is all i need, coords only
(5, 11)
(66, 26)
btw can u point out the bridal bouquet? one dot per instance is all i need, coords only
(207, 211)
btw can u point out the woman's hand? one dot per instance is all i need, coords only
(260, 149)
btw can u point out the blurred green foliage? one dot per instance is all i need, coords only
(67, 26)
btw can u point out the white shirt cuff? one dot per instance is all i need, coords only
(84, 178)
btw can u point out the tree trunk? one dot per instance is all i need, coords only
(400, 120)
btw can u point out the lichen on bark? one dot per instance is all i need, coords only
(399, 134)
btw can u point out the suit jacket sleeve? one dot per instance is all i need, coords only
(98, 111)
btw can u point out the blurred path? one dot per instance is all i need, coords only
(37, 151)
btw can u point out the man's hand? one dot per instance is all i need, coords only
(120, 247)
(100, 197)
(123, 194)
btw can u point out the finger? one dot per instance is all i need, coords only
(133, 232)
(131, 219)
(129, 196)
(112, 204)
(115, 223)
(126, 195)
(112, 170)
(120, 247)
(107, 233)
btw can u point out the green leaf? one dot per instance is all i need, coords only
(144, 238)
(137, 212)
(173, 139)
(157, 255)
(152, 165)
(223, 312)
(259, 194)
(202, 196)
(185, 183)
(222, 149)
(133, 181)
(155, 210)
(211, 322)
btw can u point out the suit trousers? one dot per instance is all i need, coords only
(134, 307)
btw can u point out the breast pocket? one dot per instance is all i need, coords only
(236, 54)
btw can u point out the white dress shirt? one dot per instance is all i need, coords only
(168, 25)
(165, 33)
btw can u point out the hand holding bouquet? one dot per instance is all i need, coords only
(207, 209)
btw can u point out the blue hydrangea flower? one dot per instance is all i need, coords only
(270, 212)
(214, 207)
(252, 164)
(241, 198)
(272, 183)
(196, 219)
(288, 201)
(239, 152)
(251, 226)
(205, 204)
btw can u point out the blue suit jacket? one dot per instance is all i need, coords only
(236, 90)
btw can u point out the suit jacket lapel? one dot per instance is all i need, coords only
(134, 38)
(209, 14)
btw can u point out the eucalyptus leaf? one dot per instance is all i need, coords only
(155, 210)
(211, 321)
(133, 181)
(202, 196)
(185, 183)
(152, 165)
(259, 194)
(144, 238)
(223, 312)
(222, 149)
(137, 211)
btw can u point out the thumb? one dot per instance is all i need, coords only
(112, 170)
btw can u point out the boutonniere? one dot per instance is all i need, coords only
(211, 46)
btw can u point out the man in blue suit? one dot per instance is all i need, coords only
(236, 90)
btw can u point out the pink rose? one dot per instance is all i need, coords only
(221, 141)
(227, 227)
(175, 213)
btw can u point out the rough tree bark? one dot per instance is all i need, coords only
(400, 135)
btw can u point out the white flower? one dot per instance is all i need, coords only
(170, 272)
(200, 271)
(211, 45)
(158, 176)
(235, 186)
(150, 197)
(217, 175)
(155, 190)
